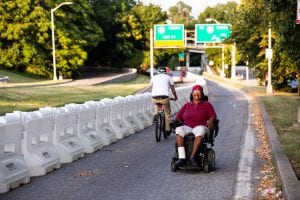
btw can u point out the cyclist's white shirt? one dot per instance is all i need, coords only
(161, 84)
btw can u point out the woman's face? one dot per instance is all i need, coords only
(196, 95)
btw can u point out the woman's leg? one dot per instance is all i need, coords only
(199, 132)
(180, 133)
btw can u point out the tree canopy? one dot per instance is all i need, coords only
(116, 34)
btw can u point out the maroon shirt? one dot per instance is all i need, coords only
(196, 114)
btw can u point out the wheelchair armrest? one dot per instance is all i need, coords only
(175, 123)
(216, 128)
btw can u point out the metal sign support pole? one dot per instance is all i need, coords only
(151, 53)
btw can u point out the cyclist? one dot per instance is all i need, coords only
(161, 84)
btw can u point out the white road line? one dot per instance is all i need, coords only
(244, 184)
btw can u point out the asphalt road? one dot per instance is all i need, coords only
(138, 168)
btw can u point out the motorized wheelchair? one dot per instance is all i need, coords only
(206, 155)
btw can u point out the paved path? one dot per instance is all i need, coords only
(94, 80)
(86, 80)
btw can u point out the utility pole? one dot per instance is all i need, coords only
(233, 61)
(151, 53)
(269, 54)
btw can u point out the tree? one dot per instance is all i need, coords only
(77, 32)
(287, 46)
(148, 16)
(25, 40)
(250, 29)
(180, 13)
(121, 32)
(250, 35)
(24, 35)
(223, 13)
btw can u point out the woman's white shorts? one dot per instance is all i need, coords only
(197, 131)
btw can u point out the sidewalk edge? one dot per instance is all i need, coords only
(287, 176)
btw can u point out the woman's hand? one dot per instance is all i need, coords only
(210, 123)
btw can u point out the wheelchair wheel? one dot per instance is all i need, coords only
(211, 159)
(158, 128)
(206, 168)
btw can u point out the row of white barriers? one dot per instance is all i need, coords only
(35, 143)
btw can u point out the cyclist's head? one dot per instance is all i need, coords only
(162, 70)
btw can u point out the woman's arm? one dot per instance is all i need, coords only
(212, 115)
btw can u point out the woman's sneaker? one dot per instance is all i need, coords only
(180, 162)
(194, 162)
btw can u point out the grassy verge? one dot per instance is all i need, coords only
(30, 98)
(19, 78)
(283, 111)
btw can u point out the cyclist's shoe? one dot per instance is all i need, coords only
(167, 134)
(155, 119)
(180, 162)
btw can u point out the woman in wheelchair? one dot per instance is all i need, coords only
(198, 117)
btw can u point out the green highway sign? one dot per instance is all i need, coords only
(168, 35)
(181, 56)
(211, 33)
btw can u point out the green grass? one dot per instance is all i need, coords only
(283, 110)
(20, 78)
(31, 98)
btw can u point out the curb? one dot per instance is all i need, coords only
(287, 176)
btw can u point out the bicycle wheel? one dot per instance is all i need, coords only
(158, 128)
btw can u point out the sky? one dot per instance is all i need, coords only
(198, 6)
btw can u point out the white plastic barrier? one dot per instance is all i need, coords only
(131, 107)
(116, 120)
(13, 168)
(37, 147)
(86, 127)
(127, 109)
(104, 129)
(64, 135)
(148, 107)
(139, 110)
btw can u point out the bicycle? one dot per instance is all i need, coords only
(160, 122)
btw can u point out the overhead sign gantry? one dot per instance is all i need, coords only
(174, 36)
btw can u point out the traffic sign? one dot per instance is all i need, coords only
(181, 56)
(169, 35)
(211, 33)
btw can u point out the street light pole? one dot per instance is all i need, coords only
(223, 63)
(53, 39)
